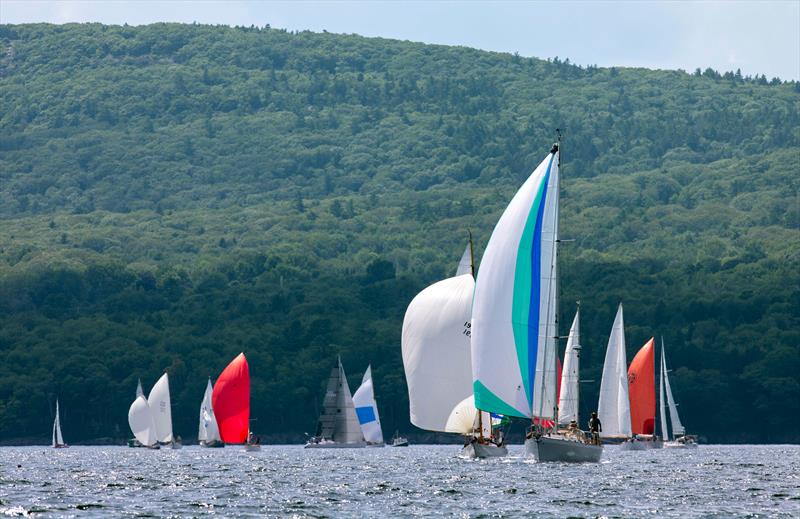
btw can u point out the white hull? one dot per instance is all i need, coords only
(561, 449)
(679, 445)
(334, 445)
(484, 450)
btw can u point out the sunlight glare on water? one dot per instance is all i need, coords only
(422, 481)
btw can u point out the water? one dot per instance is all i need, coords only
(712, 481)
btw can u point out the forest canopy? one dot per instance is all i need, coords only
(171, 195)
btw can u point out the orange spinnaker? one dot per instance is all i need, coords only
(642, 390)
(231, 401)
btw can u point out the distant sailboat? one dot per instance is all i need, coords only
(230, 400)
(161, 407)
(679, 438)
(140, 419)
(367, 411)
(642, 394)
(437, 358)
(614, 406)
(139, 390)
(58, 440)
(208, 432)
(338, 424)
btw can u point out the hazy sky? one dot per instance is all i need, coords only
(760, 37)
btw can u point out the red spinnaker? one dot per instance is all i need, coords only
(231, 401)
(642, 390)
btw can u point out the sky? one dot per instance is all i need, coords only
(758, 37)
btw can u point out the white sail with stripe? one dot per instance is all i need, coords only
(367, 410)
(514, 308)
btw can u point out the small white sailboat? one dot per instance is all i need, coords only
(58, 440)
(614, 406)
(208, 431)
(398, 441)
(437, 359)
(338, 424)
(142, 424)
(679, 439)
(367, 411)
(160, 406)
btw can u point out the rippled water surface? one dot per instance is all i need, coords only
(712, 481)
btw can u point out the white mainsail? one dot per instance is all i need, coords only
(661, 403)
(367, 409)
(614, 407)
(159, 403)
(675, 421)
(514, 308)
(436, 350)
(57, 438)
(570, 375)
(208, 430)
(141, 422)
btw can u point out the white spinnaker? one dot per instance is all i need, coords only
(465, 265)
(141, 422)
(661, 403)
(499, 374)
(436, 351)
(462, 417)
(208, 430)
(346, 426)
(159, 403)
(367, 409)
(677, 427)
(570, 375)
(614, 407)
(57, 438)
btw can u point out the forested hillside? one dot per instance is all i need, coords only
(171, 195)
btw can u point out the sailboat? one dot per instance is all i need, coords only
(159, 402)
(437, 360)
(208, 432)
(679, 438)
(230, 400)
(58, 440)
(614, 406)
(143, 426)
(338, 423)
(367, 411)
(642, 394)
(569, 442)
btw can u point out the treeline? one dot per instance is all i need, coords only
(171, 195)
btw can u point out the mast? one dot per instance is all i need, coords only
(472, 270)
(471, 254)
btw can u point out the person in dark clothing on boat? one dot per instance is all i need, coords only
(595, 427)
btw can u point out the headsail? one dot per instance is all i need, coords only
(159, 403)
(346, 427)
(367, 409)
(463, 417)
(514, 309)
(613, 407)
(436, 350)
(230, 400)
(642, 390)
(677, 427)
(141, 422)
(208, 430)
(570, 375)
(57, 439)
